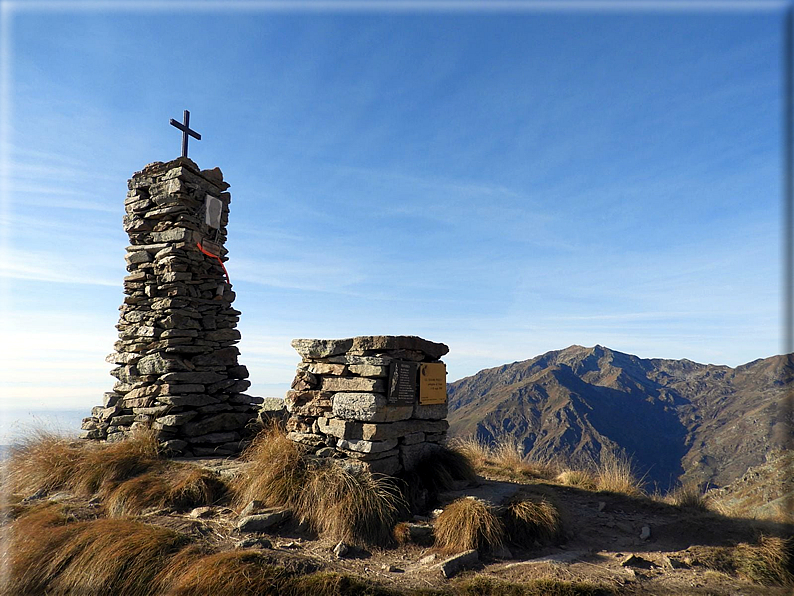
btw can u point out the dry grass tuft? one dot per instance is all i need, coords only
(503, 460)
(578, 478)
(277, 471)
(47, 461)
(48, 554)
(129, 475)
(443, 467)
(43, 461)
(172, 485)
(247, 573)
(108, 463)
(468, 523)
(687, 496)
(31, 540)
(485, 586)
(530, 520)
(475, 450)
(401, 533)
(507, 453)
(360, 507)
(113, 556)
(771, 562)
(615, 474)
(335, 584)
(232, 572)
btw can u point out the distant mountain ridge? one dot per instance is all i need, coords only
(678, 419)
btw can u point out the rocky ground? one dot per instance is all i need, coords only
(628, 545)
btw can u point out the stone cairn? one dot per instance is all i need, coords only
(340, 404)
(177, 363)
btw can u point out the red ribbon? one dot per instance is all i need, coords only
(217, 258)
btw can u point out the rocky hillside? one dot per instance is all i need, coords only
(678, 419)
(763, 492)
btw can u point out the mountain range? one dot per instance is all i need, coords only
(679, 421)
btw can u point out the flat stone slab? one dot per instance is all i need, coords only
(349, 429)
(367, 446)
(353, 384)
(323, 348)
(457, 563)
(565, 558)
(492, 492)
(260, 522)
(368, 407)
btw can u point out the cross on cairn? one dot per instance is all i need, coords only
(184, 126)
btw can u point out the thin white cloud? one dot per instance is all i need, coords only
(309, 273)
(49, 267)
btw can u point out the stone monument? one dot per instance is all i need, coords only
(177, 369)
(376, 402)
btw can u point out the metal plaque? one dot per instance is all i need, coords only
(212, 212)
(402, 382)
(211, 247)
(433, 383)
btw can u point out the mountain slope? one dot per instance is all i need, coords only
(677, 418)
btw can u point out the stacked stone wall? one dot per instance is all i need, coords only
(339, 405)
(176, 360)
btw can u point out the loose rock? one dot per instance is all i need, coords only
(341, 550)
(260, 522)
(454, 565)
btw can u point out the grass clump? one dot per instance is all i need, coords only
(48, 553)
(578, 478)
(335, 584)
(174, 486)
(113, 556)
(615, 474)
(484, 586)
(30, 541)
(475, 450)
(46, 461)
(401, 533)
(356, 507)
(232, 572)
(507, 453)
(443, 467)
(43, 461)
(111, 463)
(503, 459)
(359, 508)
(129, 475)
(688, 496)
(529, 520)
(769, 562)
(278, 469)
(249, 573)
(468, 523)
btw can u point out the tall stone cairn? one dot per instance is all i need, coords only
(177, 369)
(339, 404)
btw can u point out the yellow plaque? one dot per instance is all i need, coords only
(432, 383)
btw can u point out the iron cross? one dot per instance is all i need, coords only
(184, 126)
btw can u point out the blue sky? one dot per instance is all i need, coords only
(505, 181)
